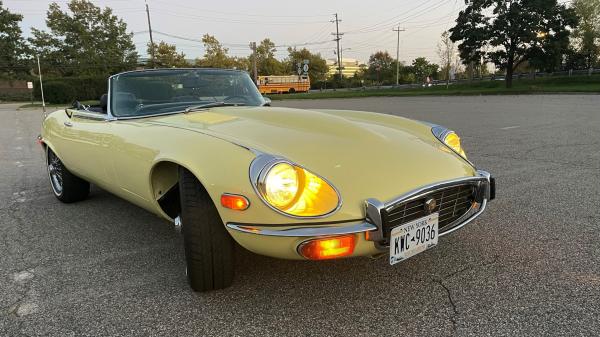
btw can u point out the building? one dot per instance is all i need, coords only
(349, 67)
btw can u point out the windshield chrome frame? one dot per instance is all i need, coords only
(111, 117)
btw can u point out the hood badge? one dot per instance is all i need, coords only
(430, 205)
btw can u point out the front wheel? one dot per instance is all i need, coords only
(208, 245)
(66, 186)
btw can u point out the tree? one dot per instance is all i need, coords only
(166, 56)
(515, 31)
(215, 55)
(381, 67)
(423, 68)
(317, 70)
(266, 63)
(587, 34)
(241, 63)
(446, 50)
(12, 45)
(86, 41)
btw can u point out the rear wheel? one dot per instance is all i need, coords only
(208, 245)
(66, 186)
(292, 90)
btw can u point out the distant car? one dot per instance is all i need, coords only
(201, 148)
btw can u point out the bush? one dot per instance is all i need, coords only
(15, 96)
(68, 89)
(58, 92)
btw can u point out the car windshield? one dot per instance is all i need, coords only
(152, 92)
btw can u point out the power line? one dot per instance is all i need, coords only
(387, 21)
(400, 18)
(171, 4)
(229, 20)
(231, 44)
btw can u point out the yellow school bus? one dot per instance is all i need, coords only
(273, 84)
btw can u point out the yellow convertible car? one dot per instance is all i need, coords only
(204, 150)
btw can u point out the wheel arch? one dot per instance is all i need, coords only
(47, 146)
(164, 184)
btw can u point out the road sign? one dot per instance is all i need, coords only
(299, 71)
(29, 85)
(305, 68)
(306, 61)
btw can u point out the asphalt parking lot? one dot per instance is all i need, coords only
(529, 266)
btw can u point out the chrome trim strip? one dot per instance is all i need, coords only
(150, 115)
(109, 114)
(305, 231)
(417, 193)
(461, 225)
(95, 116)
(261, 165)
(183, 69)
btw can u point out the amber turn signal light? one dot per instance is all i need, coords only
(328, 248)
(235, 202)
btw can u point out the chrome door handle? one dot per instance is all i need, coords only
(69, 124)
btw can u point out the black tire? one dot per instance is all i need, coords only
(291, 91)
(66, 186)
(208, 245)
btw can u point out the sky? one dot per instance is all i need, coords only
(367, 25)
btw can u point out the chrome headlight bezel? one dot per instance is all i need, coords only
(260, 168)
(441, 132)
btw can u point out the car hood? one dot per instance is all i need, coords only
(365, 153)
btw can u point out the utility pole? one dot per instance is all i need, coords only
(254, 69)
(448, 45)
(150, 31)
(337, 39)
(398, 54)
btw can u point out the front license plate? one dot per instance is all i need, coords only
(413, 238)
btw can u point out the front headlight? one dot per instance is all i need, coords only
(294, 190)
(449, 138)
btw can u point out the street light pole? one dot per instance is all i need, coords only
(398, 54)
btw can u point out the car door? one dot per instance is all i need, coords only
(131, 161)
(86, 139)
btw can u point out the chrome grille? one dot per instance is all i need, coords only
(452, 203)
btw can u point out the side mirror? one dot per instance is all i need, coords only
(267, 101)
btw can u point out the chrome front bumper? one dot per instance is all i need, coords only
(373, 224)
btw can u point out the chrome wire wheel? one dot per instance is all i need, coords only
(55, 171)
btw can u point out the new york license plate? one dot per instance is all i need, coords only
(413, 238)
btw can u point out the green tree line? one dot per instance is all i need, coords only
(84, 40)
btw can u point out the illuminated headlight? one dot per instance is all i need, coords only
(449, 138)
(295, 191)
